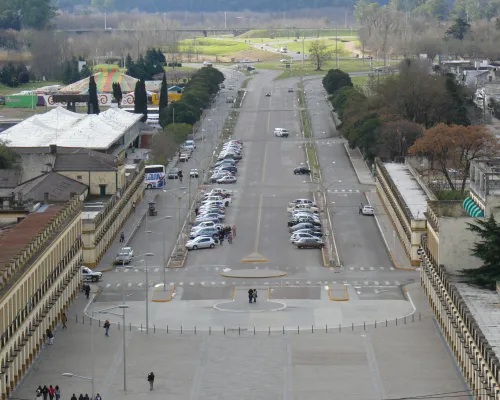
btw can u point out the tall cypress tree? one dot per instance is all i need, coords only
(117, 93)
(141, 100)
(163, 94)
(93, 104)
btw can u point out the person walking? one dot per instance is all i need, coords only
(52, 392)
(80, 397)
(230, 238)
(87, 291)
(86, 397)
(45, 392)
(151, 380)
(74, 397)
(254, 294)
(196, 211)
(64, 319)
(107, 325)
(57, 392)
(98, 397)
(50, 336)
(39, 393)
(360, 208)
(122, 237)
(234, 230)
(250, 295)
(133, 206)
(221, 236)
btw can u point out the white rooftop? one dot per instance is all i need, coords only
(413, 195)
(68, 129)
(485, 308)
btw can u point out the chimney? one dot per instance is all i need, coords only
(46, 198)
(53, 148)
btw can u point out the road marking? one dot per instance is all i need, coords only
(263, 176)
(333, 282)
(139, 284)
(387, 282)
(376, 283)
(157, 269)
(118, 270)
(191, 283)
(366, 282)
(212, 283)
(136, 270)
(287, 283)
(216, 268)
(181, 283)
(223, 282)
(171, 283)
(351, 268)
(396, 283)
(129, 285)
(382, 268)
(118, 285)
(266, 283)
(392, 269)
(202, 283)
(362, 268)
(108, 285)
(354, 282)
(372, 269)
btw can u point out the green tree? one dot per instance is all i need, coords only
(336, 79)
(141, 100)
(318, 53)
(117, 93)
(93, 104)
(163, 94)
(7, 157)
(486, 249)
(459, 29)
(85, 72)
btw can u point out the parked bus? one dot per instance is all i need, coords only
(154, 176)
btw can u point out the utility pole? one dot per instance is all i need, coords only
(337, 46)
(303, 35)
(345, 19)
(225, 20)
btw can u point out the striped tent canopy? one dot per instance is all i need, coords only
(104, 82)
(472, 208)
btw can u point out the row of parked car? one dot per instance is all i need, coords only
(305, 224)
(225, 168)
(210, 218)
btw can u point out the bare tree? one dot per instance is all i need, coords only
(318, 53)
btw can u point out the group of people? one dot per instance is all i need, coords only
(86, 397)
(252, 296)
(227, 233)
(48, 392)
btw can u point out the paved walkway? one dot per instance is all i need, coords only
(384, 224)
(130, 228)
(236, 363)
(363, 173)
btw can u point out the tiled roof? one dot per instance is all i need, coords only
(25, 232)
(58, 187)
(85, 160)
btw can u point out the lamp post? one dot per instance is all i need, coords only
(147, 289)
(179, 198)
(163, 242)
(162, 257)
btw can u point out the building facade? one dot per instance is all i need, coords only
(40, 274)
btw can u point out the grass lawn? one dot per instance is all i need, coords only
(6, 90)
(351, 65)
(294, 47)
(214, 47)
(359, 80)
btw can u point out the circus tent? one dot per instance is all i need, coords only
(104, 82)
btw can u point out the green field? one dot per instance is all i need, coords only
(291, 33)
(6, 90)
(214, 47)
(359, 80)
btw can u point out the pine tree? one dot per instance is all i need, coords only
(141, 100)
(163, 93)
(93, 104)
(117, 93)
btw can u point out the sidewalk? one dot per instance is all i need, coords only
(130, 229)
(392, 242)
(363, 173)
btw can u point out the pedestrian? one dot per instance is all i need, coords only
(87, 291)
(133, 206)
(107, 325)
(45, 392)
(50, 336)
(39, 392)
(250, 295)
(122, 237)
(151, 380)
(254, 295)
(80, 397)
(196, 211)
(98, 397)
(52, 392)
(64, 319)
(57, 392)
(86, 397)
(230, 238)
(74, 397)
(234, 230)
(360, 208)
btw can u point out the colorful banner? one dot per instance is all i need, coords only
(105, 100)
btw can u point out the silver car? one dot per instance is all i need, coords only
(200, 242)
(124, 256)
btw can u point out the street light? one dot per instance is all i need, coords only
(163, 256)
(147, 289)
(107, 311)
(179, 198)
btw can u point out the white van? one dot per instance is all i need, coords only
(281, 132)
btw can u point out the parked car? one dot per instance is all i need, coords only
(304, 243)
(303, 201)
(198, 222)
(220, 191)
(210, 232)
(184, 157)
(281, 132)
(268, 94)
(208, 224)
(89, 275)
(315, 231)
(211, 216)
(124, 256)
(299, 235)
(226, 162)
(302, 225)
(226, 179)
(200, 242)
(290, 90)
(229, 168)
(368, 210)
(302, 207)
(301, 171)
(173, 173)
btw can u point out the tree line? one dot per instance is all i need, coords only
(146, 67)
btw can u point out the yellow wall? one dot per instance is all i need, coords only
(171, 97)
(93, 179)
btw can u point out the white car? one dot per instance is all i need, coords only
(302, 207)
(216, 191)
(281, 132)
(193, 173)
(200, 242)
(89, 275)
(368, 210)
(226, 179)
(299, 235)
(303, 201)
(124, 256)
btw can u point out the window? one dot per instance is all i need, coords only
(80, 177)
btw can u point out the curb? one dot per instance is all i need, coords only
(354, 168)
(345, 298)
(258, 260)
(166, 300)
(394, 262)
(254, 277)
(183, 261)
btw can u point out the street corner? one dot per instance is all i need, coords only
(338, 292)
(163, 294)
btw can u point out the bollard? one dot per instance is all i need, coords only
(99, 323)
(312, 328)
(83, 319)
(405, 319)
(239, 330)
(154, 328)
(298, 330)
(340, 328)
(224, 330)
(413, 318)
(181, 329)
(326, 328)
(141, 327)
(364, 325)
(283, 330)
(209, 330)
(254, 330)
(396, 321)
(129, 326)
(419, 316)
(375, 323)
(167, 328)
(386, 323)
(352, 324)
(195, 330)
